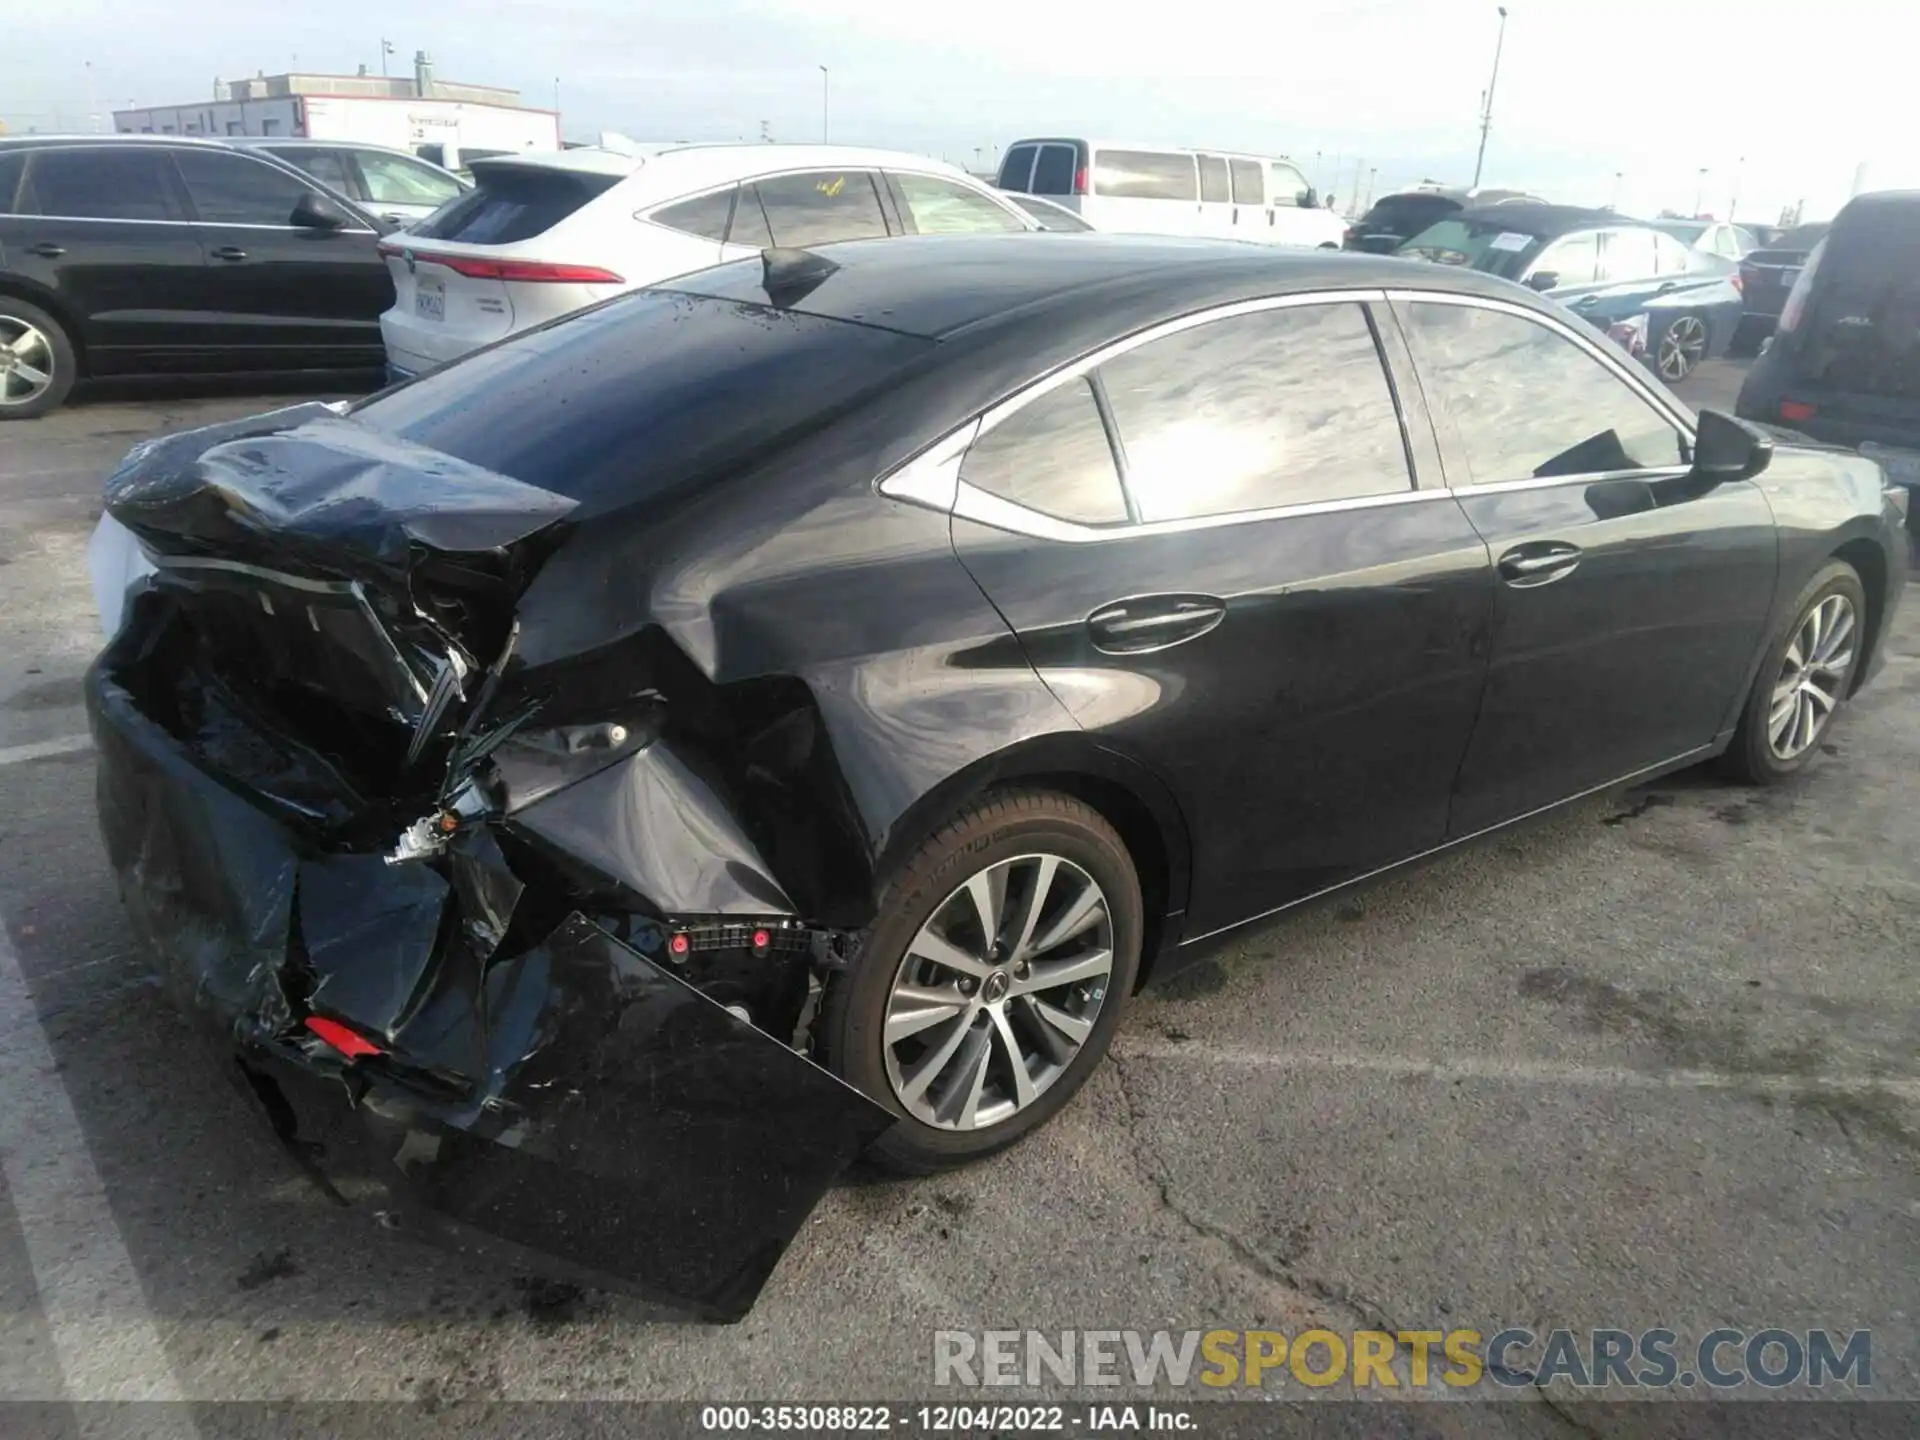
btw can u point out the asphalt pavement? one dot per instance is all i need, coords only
(1654, 1060)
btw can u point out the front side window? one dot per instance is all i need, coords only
(1017, 168)
(705, 216)
(934, 206)
(1527, 402)
(1249, 188)
(396, 180)
(100, 184)
(1280, 407)
(1289, 185)
(1053, 171)
(326, 166)
(1051, 456)
(228, 189)
(1213, 180)
(1670, 257)
(819, 207)
(1144, 175)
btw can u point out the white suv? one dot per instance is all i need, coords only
(541, 235)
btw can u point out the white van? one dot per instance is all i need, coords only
(1163, 190)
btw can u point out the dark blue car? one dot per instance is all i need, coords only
(1670, 305)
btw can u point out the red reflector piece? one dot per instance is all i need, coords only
(761, 939)
(1080, 185)
(679, 944)
(340, 1038)
(1798, 410)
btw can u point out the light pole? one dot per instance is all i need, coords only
(823, 104)
(1700, 192)
(1486, 114)
(1614, 204)
(556, 94)
(386, 49)
(1733, 204)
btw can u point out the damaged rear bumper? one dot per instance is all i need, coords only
(534, 1085)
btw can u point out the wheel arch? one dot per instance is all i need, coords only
(1869, 562)
(42, 298)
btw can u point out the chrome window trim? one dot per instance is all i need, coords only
(190, 224)
(932, 478)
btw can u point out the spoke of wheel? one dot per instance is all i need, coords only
(1071, 1026)
(1803, 723)
(1817, 697)
(941, 951)
(24, 344)
(1076, 919)
(914, 1084)
(914, 1008)
(1839, 631)
(972, 1079)
(1023, 1091)
(989, 892)
(1781, 717)
(1065, 972)
(1036, 902)
(34, 378)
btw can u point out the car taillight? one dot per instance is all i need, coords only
(1798, 410)
(1080, 182)
(1796, 307)
(537, 271)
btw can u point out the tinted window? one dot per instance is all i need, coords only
(1275, 408)
(12, 167)
(1526, 401)
(512, 202)
(1053, 173)
(230, 189)
(821, 206)
(1572, 259)
(749, 221)
(101, 184)
(1249, 187)
(1052, 456)
(1670, 257)
(1408, 214)
(932, 206)
(705, 215)
(1144, 175)
(1213, 180)
(396, 180)
(1628, 255)
(1017, 168)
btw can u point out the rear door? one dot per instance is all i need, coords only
(1571, 263)
(102, 231)
(808, 207)
(1252, 216)
(1216, 197)
(1210, 544)
(1629, 275)
(278, 294)
(1016, 168)
(1628, 607)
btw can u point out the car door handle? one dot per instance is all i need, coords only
(1585, 300)
(1153, 622)
(1667, 288)
(47, 250)
(1528, 565)
(229, 252)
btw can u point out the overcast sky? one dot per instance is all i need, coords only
(1656, 89)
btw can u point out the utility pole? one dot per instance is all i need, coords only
(1486, 112)
(823, 104)
(386, 49)
(1614, 204)
(1700, 193)
(1733, 205)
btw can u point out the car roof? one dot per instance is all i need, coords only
(1049, 284)
(1544, 220)
(662, 171)
(117, 138)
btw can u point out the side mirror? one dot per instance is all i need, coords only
(313, 211)
(1543, 280)
(1728, 449)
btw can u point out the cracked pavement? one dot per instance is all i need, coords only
(1652, 1061)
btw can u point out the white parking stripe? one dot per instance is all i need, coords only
(40, 750)
(1526, 1072)
(103, 1334)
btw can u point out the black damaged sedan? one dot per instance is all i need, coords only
(603, 787)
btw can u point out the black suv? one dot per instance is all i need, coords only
(129, 255)
(1844, 363)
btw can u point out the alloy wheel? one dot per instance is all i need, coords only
(26, 361)
(1812, 677)
(1682, 346)
(998, 992)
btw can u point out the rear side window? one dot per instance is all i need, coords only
(1571, 260)
(513, 202)
(818, 207)
(1213, 180)
(329, 167)
(1051, 456)
(1281, 407)
(1053, 172)
(705, 215)
(1017, 169)
(1670, 257)
(101, 184)
(1144, 175)
(933, 206)
(1249, 188)
(1628, 255)
(396, 180)
(12, 168)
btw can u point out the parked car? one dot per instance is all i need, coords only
(1165, 190)
(1714, 237)
(1394, 219)
(1767, 277)
(1844, 365)
(541, 235)
(975, 626)
(1048, 214)
(391, 184)
(1614, 272)
(135, 255)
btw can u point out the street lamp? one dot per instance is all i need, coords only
(1486, 113)
(823, 104)
(1700, 192)
(1614, 204)
(1733, 205)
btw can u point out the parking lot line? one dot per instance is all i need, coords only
(41, 749)
(1526, 1072)
(103, 1334)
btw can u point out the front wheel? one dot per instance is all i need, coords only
(37, 363)
(1805, 676)
(992, 979)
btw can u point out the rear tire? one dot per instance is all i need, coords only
(37, 361)
(1811, 662)
(1680, 346)
(1044, 991)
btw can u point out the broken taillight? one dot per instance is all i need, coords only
(341, 1038)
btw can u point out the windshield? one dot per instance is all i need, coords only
(1408, 214)
(1477, 244)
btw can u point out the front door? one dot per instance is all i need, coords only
(1236, 584)
(280, 295)
(1628, 604)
